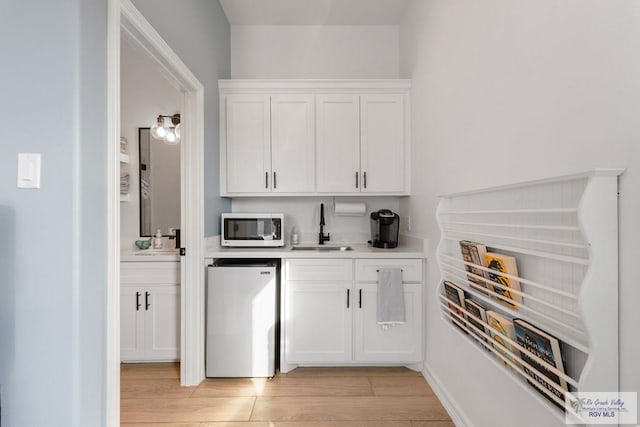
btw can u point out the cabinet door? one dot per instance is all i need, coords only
(398, 343)
(318, 322)
(382, 143)
(338, 143)
(131, 324)
(162, 323)
(292, 144)
(248, 143)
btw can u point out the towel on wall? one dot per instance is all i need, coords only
(390, 301)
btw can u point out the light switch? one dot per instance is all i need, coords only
(28, 170)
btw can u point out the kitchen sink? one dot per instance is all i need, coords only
(321, 248)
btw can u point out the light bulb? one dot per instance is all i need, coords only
(170, 137)
(159, 131)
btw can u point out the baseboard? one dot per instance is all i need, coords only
(450, 405)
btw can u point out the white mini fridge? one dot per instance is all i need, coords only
(241, 318)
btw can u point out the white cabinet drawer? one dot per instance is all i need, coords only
(157, 273)
(367, 269)
(319, 269)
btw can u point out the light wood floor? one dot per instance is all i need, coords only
(306, 397)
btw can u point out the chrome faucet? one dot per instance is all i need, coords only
(322, 238)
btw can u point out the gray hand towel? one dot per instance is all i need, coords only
(390, 305)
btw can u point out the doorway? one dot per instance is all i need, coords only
(126, 21)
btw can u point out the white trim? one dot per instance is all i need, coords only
(123, 16)
(113, 216)
(192, 309)
(311, 85)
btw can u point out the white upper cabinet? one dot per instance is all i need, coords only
(338, 142)
(248, 143)
(292, 144)
(382, 147)
(314, 137)
(361, 144)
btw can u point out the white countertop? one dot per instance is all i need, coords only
(409, 248)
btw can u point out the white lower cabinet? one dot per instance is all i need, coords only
(329, 317)
(319, 323)
(373, 343)
(150, 311)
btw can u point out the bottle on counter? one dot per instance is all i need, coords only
(157, 240)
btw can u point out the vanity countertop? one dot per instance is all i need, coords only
(149, 255)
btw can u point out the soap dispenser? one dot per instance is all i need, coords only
(157, 240)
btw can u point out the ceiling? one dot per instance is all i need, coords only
(314, 12)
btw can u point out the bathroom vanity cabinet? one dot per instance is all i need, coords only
(150, 311)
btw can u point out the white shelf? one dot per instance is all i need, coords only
(125, 198)
(124, 158)
(563, 233)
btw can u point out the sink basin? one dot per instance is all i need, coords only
(321, 248)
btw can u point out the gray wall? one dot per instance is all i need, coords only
(52, 254)
(198, 32)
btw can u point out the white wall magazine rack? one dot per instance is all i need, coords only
(563, 233)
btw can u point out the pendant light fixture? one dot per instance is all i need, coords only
(167, 129)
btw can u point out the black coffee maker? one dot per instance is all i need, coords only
(385, 226)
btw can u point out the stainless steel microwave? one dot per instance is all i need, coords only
(252, 229)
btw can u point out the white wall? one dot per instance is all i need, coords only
(53, 252)
(198, 32)
(321, 52)
(144, 94)
(304, 214)
(512, 90)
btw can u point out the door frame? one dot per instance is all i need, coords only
(124, 17)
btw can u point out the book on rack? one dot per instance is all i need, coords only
(455, 294)
(504, 264)
(474, 253)
(476, 310)
(504, 327)
(546, 347)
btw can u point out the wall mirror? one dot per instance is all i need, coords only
(159, 184)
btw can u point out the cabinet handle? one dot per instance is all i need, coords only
(146, 300)
(348, 291)
(356, 179)
(364, 179)
(266, 180)
(137, 301)
(275, 184)
(359, 298)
